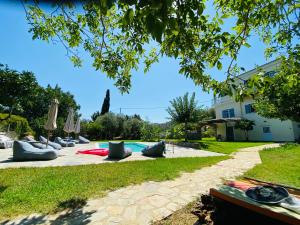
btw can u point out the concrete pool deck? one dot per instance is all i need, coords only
(68, 156)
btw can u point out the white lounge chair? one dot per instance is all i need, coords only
(5, 142)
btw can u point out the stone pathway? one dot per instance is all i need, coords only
(141, 204)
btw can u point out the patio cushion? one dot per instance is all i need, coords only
(63, 143)
(70, 139)
(117, 150)
(156, 150)
(35, 143)
(83, 140)
(50, 143)
(23, 151)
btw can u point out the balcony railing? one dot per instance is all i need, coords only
(221, 100)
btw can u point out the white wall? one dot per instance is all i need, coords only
(280, 130)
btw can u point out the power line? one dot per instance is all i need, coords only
(158, 107)
(147, 108)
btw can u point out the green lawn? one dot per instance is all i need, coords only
(280, 165)
(45, 190)
(210, 144)
(226, 147)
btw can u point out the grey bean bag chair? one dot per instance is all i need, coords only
(35, 143)
(83, 140)
(117, 150)
(156, 150)
(63, 143)
(50, 143)
(23, 151)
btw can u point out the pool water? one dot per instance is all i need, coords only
(135, 147)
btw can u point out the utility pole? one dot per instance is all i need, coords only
(120, 110)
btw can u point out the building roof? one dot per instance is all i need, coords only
(252, 70)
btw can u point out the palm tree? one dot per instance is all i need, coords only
(184, 110)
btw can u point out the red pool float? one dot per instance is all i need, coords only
(96, 151)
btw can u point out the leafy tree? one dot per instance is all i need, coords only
(95, 115)
(93, 130)
(245, 125)
(17, 124)
(21, 94)
(132, 128)
(106, 103)
(184, 110)
(16, 89)
(176, 131)
(278, 96)
(109, 125)
(117, 33)
(120, 124)
(150, 132)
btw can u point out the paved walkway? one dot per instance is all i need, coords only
(141, 204)
(68, 156)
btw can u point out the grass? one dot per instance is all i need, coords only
(210, 144)
(50, 189)
(279, 165)
(227, 147)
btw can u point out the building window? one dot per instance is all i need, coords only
(228, 113)
(270, 73)
(266, 130)
(249, 108)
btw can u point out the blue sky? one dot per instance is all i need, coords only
(51, 66)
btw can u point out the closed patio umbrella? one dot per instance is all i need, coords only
(77, 126)
(69, 125)
(52, 115)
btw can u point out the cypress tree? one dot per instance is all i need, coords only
(106, 103)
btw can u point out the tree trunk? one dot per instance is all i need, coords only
(10, 112)
(246, 133)
(185, 132)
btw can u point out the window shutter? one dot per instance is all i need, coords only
(231, 112)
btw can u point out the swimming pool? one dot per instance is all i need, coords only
(135, 147)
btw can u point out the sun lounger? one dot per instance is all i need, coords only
(50, 143)
(23, 151)
(83, 140)
(236, 197)
(5, 142)
(156, 150)
(118, 151)
(63, 143)
(69, 139)
(36, 143)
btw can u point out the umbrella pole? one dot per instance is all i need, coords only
(48, 139)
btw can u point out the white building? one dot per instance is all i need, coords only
(228, 111)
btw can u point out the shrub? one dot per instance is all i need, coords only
(150, 132)
(209, 132)
(175, 132)
(93, 130)
(109, 124)
(132, 128)
(17, 124)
